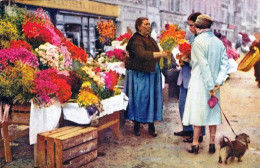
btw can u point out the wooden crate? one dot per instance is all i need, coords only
(67, 147)
(112, 122)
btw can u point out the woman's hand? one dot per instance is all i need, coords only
(162, 54)
(212, 92)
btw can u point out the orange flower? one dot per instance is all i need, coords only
(107, 31)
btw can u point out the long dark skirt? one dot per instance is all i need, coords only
(144, 91)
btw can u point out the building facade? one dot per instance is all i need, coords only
(78, 19)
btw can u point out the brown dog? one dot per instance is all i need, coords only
(236, 148)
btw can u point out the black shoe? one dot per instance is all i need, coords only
(137, 128)
(154, 134)
(151, 130)
(190, 139)
(184, 133)
(194, 149)
(212, 148)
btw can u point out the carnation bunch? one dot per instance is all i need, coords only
(11, 55)
(41, 33)
(185, 48)
(185, 53)
(77, 53)
(48, 84)
(52, 57)
(117, 54)
(124, 38)
(111, 79)
(20, 44)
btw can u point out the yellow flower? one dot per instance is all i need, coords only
(86, 84)
(87, 98)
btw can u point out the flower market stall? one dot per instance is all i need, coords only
(40, 66)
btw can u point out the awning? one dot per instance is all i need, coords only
(79, 6)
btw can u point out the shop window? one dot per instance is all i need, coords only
(73, 32)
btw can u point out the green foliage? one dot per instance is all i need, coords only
(102, 92)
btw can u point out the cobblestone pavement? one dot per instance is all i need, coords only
(240, 98)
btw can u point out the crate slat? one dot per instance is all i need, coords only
(79, 150)
(81, 160)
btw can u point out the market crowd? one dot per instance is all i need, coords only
(202, 72)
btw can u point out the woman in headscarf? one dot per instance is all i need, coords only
(209, 66)
(143, 84)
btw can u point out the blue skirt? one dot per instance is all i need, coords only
(144, 91)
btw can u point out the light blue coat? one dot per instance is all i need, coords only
(209, 66)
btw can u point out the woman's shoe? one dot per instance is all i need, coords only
(151, 130)
(137, 128)
(212, 148)
(194, 149)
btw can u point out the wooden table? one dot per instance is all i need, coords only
(20, 115)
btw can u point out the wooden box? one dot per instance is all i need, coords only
(67, 147)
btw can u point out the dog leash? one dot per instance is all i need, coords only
(227, 119)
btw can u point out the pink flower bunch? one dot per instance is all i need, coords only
(51, 56)
(67, 60)
(117, 53)
(11, 55)
(39, 14)
(48, 84)
(111, 79)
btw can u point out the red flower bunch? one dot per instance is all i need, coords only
(20, 44)
(39, 17)
(117, 53)
(185, 48)
(48, 84)
(111, 79)
(11, 55)
(72, 79)
(77, 53)
(124, 36)
(41, 33)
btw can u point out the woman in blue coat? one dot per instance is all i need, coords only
(209, 66)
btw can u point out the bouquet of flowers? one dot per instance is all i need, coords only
(124, 38)
(48, 84)
(185, 53)
(8, 32)
(11, 55)
(77, 53)
(116, 55)
(52, 57)
(107, 31)
(170, 38)
(16, 83)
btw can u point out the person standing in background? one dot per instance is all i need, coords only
(143, 82)
(183, 82)
(209, 66)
